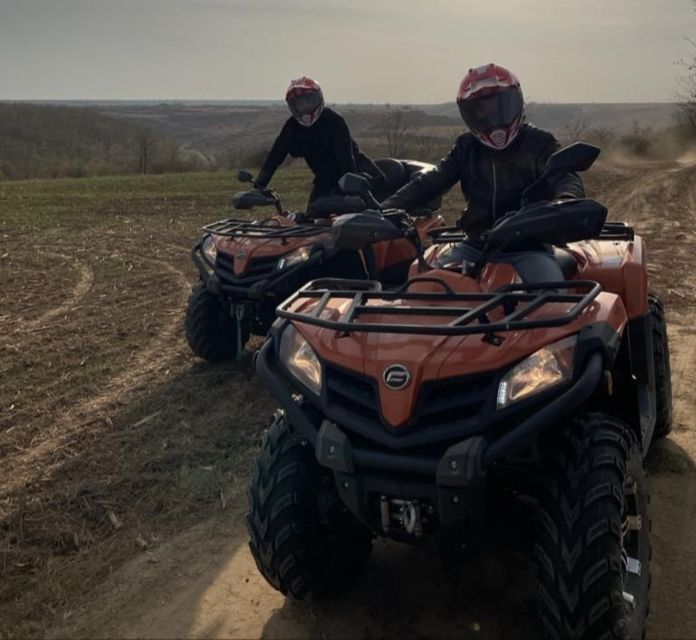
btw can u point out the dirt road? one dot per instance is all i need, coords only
(205, 583)
(200, 581)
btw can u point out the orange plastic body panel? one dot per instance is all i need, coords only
(387, 254)
(392, 252)
(620, 266)
(243, 250)
(441, 357)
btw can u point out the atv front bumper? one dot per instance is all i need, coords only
(274, 284)
(450, 477)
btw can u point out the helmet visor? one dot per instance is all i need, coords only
(493, 111)
(304, 103)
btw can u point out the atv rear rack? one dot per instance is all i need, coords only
(269, 229)
(610, 231)
(516, 302)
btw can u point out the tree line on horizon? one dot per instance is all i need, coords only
(57, 141)
(51, 141)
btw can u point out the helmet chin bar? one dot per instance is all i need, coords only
(500, 138)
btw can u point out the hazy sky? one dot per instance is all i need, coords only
(360, 50)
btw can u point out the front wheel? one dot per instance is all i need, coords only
(593, 551)
(303, 539)
(210, 330)
(663, 372)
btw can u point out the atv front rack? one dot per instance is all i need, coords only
(515, 303)
(269, 229)
(610, 231)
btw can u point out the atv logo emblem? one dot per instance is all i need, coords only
(396, 377)
(241, 254)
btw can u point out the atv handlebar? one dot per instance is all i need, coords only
(554, 223)
(247, 176)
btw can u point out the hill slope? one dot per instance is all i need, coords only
(213, 127)
(48, 141)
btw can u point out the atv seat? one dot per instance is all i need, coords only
(398, 173)
(395, 174)
(566, 261)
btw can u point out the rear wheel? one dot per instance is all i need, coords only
(211, 331)
(593, 550)
(303, 539)
(663, 373)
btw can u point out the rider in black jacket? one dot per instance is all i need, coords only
(320, 136)
(494, 162)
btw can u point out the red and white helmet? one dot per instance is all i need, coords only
(305, 100)
(491, 103)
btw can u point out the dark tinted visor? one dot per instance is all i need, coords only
(494, 111)
(304, 103)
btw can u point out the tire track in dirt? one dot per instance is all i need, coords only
(79, 291)
(45, 452)
(627, 200)
(662, 205)
(672, 482)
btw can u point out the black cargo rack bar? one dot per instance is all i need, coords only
(269, 229)
(516, 302)
(616, 231)
(610, 231)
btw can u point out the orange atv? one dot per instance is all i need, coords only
(247, 267)
(471, 407)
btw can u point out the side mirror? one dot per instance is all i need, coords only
(354, 185)
(244, 176)
(578, 156)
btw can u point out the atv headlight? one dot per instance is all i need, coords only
(299, 357)
(547, 367)
(209, 249)
(292, 258)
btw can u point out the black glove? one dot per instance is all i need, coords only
(474, 221)
(297, 216)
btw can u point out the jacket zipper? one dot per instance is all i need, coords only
(495, 186)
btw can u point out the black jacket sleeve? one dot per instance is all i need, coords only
(365, 164)
(563, 185)
(429, 185)
(342, 145)
(276, 155)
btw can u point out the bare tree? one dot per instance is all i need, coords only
(576, 129)
(639, 141)
(396, 125)
(686, 91)
(603, 137)
(145, 143)
(425, 144)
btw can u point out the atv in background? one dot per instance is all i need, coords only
(247, 268)
(471, 406)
